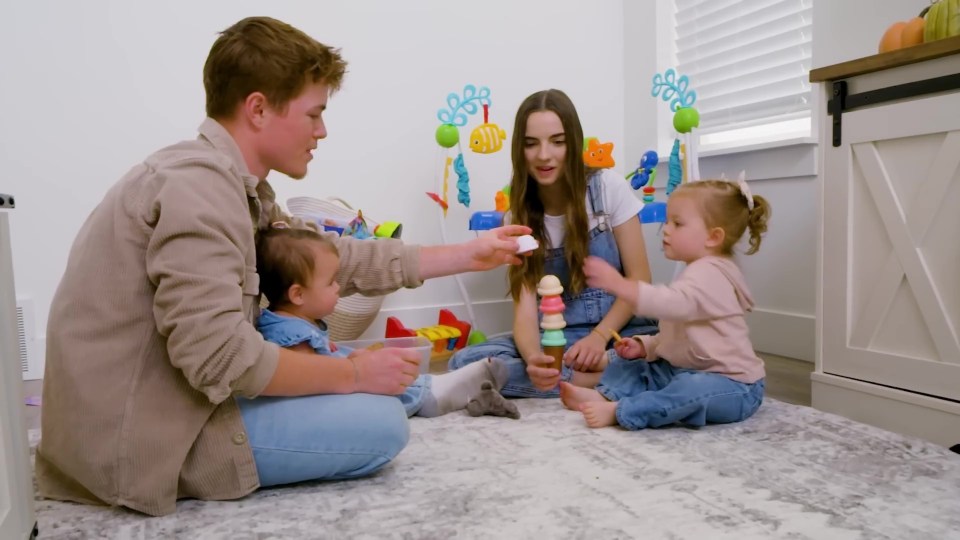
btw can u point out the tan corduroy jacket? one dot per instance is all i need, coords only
(150, 332)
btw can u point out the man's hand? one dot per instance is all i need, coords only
(388, 371)
(543, 377)
(494, 248)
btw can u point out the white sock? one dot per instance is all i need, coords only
(451, 391)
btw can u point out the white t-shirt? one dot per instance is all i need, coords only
(619, 203)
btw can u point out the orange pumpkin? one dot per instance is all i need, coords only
(903, 34)
(893, 38)
(912, 32)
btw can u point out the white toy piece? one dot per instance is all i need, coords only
(527, 243)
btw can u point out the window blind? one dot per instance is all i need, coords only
(748, 60)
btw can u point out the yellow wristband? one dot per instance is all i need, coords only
(605, 338)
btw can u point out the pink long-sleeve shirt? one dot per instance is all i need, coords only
(702, 323)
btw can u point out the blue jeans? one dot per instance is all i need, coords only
(654, 394)
(328, 437)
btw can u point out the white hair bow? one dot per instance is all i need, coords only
(745, 189)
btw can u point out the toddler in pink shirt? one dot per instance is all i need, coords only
(701, 367)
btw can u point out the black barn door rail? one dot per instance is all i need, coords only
(841, 102)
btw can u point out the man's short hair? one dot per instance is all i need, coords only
(260, 54)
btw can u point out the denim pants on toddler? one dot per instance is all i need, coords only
(654, 394)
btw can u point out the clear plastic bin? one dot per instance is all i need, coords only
(419, 343)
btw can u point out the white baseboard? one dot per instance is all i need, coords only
(907, 413)
(785, 334)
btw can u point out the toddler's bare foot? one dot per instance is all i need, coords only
(572, 396)
(599, 414)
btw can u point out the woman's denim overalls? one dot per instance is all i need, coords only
(583, 311)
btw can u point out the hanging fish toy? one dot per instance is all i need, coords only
(487, 138)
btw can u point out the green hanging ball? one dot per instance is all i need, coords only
(506, 190)
(685, 119)
(448, 135)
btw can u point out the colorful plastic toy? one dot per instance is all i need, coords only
(677, 91)
(449, 334)
(484, 139)
(551, 306)
(597, 154)
(357, 227)
(388, 229)
(487, 138)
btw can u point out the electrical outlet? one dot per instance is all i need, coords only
(6, 201)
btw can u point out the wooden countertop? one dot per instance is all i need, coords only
(878, 62)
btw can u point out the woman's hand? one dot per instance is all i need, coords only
(388, 371)
(494, 248)
(629, 349)
(543, 378)
(587, 353)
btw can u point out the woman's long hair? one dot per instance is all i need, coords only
(526, 208)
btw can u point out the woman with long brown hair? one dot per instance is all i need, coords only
(574, 211)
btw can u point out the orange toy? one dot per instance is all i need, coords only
(598, 155)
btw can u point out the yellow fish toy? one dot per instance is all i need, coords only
(487, 138)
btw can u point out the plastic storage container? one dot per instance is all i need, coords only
(419, 343)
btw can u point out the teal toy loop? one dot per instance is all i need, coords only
(668, 87)
(461, 106)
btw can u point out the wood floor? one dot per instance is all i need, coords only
(787, 380)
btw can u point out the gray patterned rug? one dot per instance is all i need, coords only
(788, 472)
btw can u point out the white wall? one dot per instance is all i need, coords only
(90, 88)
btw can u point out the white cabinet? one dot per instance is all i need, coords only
(16, 487)
(888, 314)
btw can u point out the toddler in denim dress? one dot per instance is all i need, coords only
(298, 271)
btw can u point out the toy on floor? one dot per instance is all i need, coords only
(490, 402)
(449, 334)
(552, 323)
